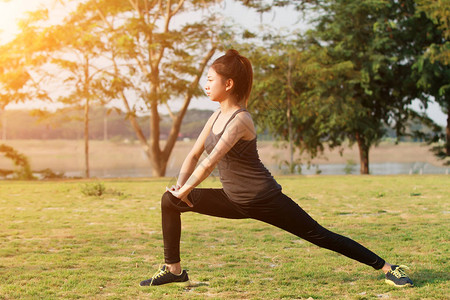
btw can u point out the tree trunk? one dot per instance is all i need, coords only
(176, 125)
(363, 154)
(156, 159)
(447, 134)
(86, 138)
(3, 123)
(159, 164)
(159, 158)
(291, 139)
(289, 119)
(105, 127)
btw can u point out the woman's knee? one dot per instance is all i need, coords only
(171, 203)
(166, 202)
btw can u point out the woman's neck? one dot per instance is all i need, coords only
(230, 105)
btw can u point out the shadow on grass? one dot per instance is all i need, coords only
(197, 284)
(429, 277)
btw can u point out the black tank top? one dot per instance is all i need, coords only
(244, 177)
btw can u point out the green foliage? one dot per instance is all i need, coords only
(98, 189)
(432, 68)
(380, 195)
(19, 160)
(289, 80)
(439, 13)
(350, 166)
(50, 174)
(294, 167)
(13, 76)
(381, 40)
(93, 189)
(147, 58)
(18, 83)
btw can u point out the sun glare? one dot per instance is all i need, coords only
(11, 11)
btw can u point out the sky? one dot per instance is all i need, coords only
(12, 10)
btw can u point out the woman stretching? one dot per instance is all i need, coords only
(249, 190)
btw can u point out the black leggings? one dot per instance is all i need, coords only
(279, 210)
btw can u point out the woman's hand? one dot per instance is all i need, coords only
(175, 190)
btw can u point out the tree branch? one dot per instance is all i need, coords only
(102, 16)
(137, 129)
(170, 111)
(134, 4)
(180, 4)
(168, 16)
(158, 11)
(176, 125)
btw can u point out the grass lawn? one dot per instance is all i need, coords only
(56, 242)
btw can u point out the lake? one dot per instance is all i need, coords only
(388, 168)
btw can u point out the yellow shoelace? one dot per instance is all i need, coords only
(399, 271)
(159, 273)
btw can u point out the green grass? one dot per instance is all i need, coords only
(56, 242)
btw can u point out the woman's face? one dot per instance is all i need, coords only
(215, 87)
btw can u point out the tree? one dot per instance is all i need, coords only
(273, 92)
(13, 81)
(434, 82)
(17, 85)
(379, 39)
(78, 49)
(128, 50)
(439, 12)
(14, 77)
(378, 44)
(67, 66)
(290, 77)
(433, 69)
(151, 62)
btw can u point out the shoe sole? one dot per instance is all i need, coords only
(397, 285)
(180, 284)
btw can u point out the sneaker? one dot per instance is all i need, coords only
(396, 276)
(163, 276)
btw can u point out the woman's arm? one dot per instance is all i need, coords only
(191, 160)
(240, 127)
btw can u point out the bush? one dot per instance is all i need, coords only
(98, 189)
(93, 189)
(50, 174)
(349, 167)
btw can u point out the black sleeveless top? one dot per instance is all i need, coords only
(244, 177)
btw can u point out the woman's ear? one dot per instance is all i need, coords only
(229, 84)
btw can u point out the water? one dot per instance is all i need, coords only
(325, 169)
(389, 168)
(114, 173)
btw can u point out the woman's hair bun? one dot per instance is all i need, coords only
(232, 52)
(234, 66)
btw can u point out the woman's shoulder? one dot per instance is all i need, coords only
(244, 116)
(244, 121)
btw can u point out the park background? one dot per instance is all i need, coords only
(104, 98)
(337, 84)
(57, 144)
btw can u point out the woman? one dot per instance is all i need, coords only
(249, 190)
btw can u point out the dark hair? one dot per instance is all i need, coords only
(239, 69)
